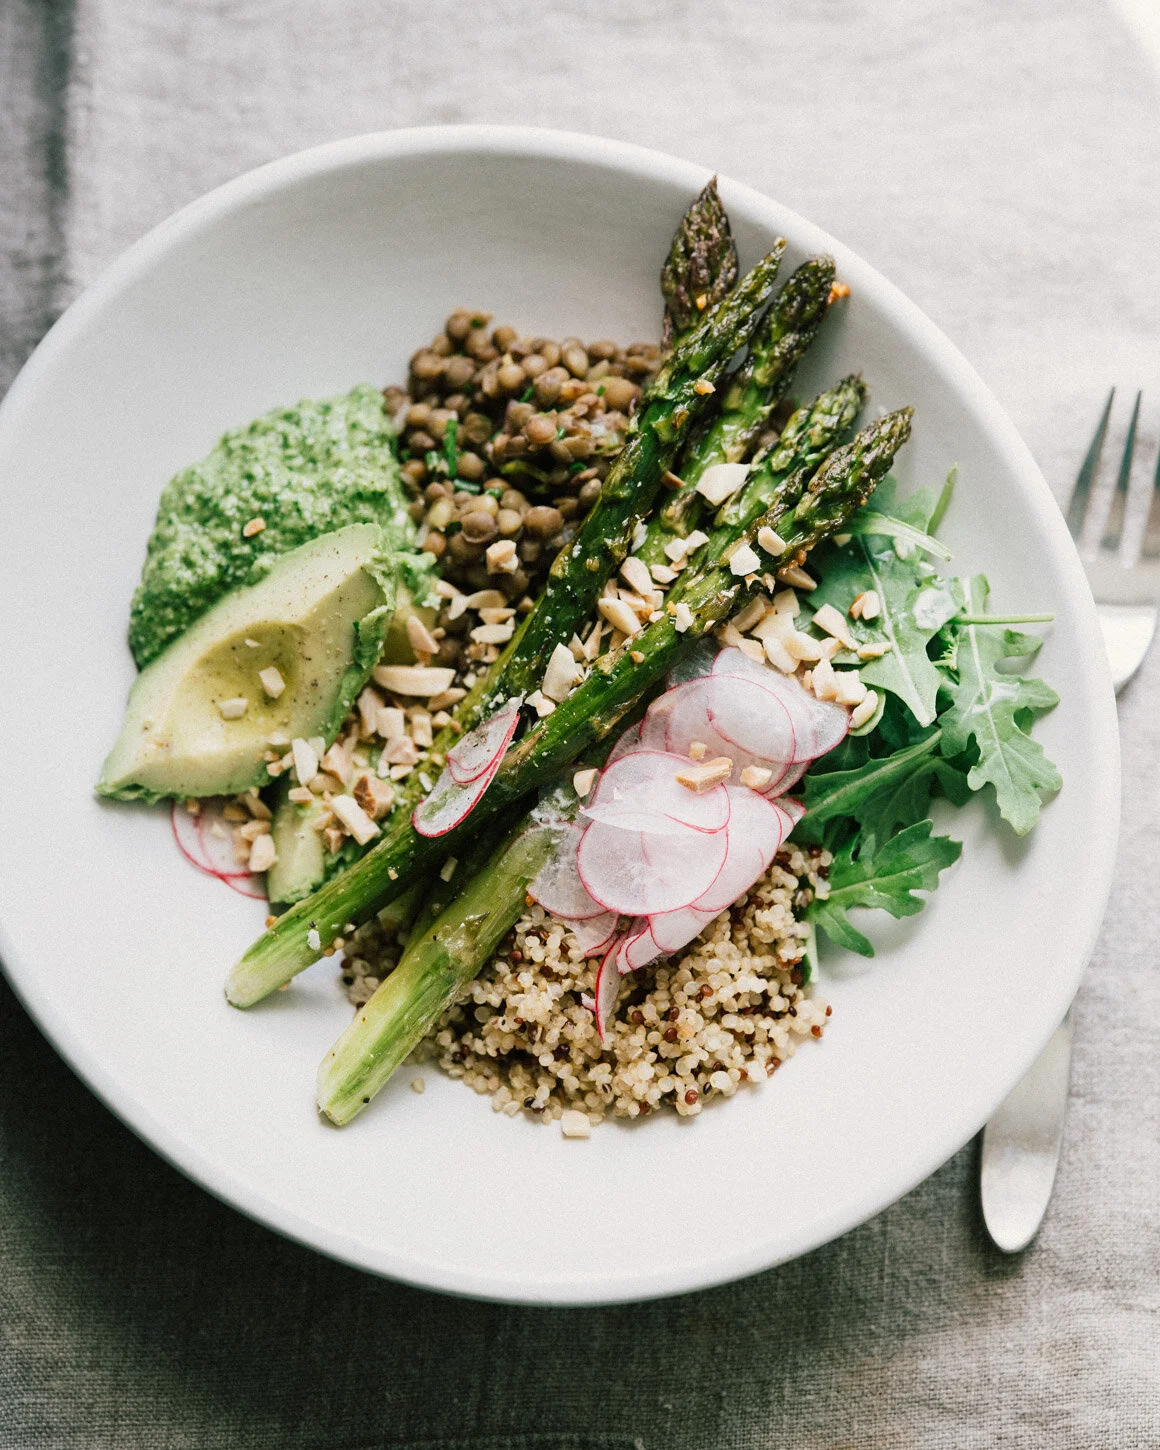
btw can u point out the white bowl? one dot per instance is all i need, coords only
(303, 278)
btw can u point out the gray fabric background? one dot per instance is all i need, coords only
(1002, 168)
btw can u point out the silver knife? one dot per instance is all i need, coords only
(1021, 1147)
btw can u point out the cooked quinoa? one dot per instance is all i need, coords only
(727, 1010)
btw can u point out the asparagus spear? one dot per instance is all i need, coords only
(810, 432)
(463, 939)
(760, 383)
(701, 267)
(662, 422)
(806, 510)
(437, 963)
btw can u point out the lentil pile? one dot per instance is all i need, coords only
(727, 1011)
(505, 440)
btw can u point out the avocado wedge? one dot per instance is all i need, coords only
(200, 717)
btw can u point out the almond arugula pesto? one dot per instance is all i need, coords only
(563, 696)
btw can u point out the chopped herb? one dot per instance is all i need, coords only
(528, 393)
(450, 446)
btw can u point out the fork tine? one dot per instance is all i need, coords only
(1114, 525)
(1150, 549)
(1083, 483)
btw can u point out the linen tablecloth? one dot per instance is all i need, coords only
(998, 159)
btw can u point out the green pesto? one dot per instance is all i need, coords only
(304, 470)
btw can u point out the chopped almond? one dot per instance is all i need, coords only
(861, 713)
(697, 750)
(272, 681)
(830, 619)
(421, 732)
(374, 796)
(337, 762)
(255, 526)
(493, 633)
(354, 818)
(420, 680)
(768, 541)
(561, 673)
(682, 617)
(233, 709)
(635, 573)
(756, 777)
(263, 853)
(582, 781)
(798, 577)
(502, 557)
(875, 649)
(419, 637)
(706, 776)
(619, 615)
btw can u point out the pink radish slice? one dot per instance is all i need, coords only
(637, 950)
(616, 868)
(672, 930)
(557, 886)
(451, 803)
(211, 854)
(607, 991)
(640, 792)
(249, 885)
(630, 740)
(686, 717)
(793, 809)
(479, 749)
(752, 718)
(819, 725)
(757, 829)
(594, 934)
(788, 778)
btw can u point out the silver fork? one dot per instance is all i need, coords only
(1022, 1141)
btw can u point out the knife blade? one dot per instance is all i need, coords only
(1021, 1146)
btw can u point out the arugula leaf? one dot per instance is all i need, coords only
(882, 794)
(913, 609)
(884, 876)
(994, 708)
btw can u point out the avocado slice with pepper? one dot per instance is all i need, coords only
(281, 658)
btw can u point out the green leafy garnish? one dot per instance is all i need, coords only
(866, 873)
(882, 794)
(912, 609)
(451, 446)
(994, 708)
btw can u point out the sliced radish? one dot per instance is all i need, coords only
(751, 718)
(479, 749)
(788, 778)
(450, 803)
(630, 740)
(607, 991)
(793, 808)
(209, 852)
(638, 874)
(640, 792)
(557, 885)
(672, 930)
(594, 934)
(818, 725)
(637, 948)
(685, 713)
(757, 829)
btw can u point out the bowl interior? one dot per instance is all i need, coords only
(330, 269)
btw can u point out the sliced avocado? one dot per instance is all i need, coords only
(301, 862)
(318, 617)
